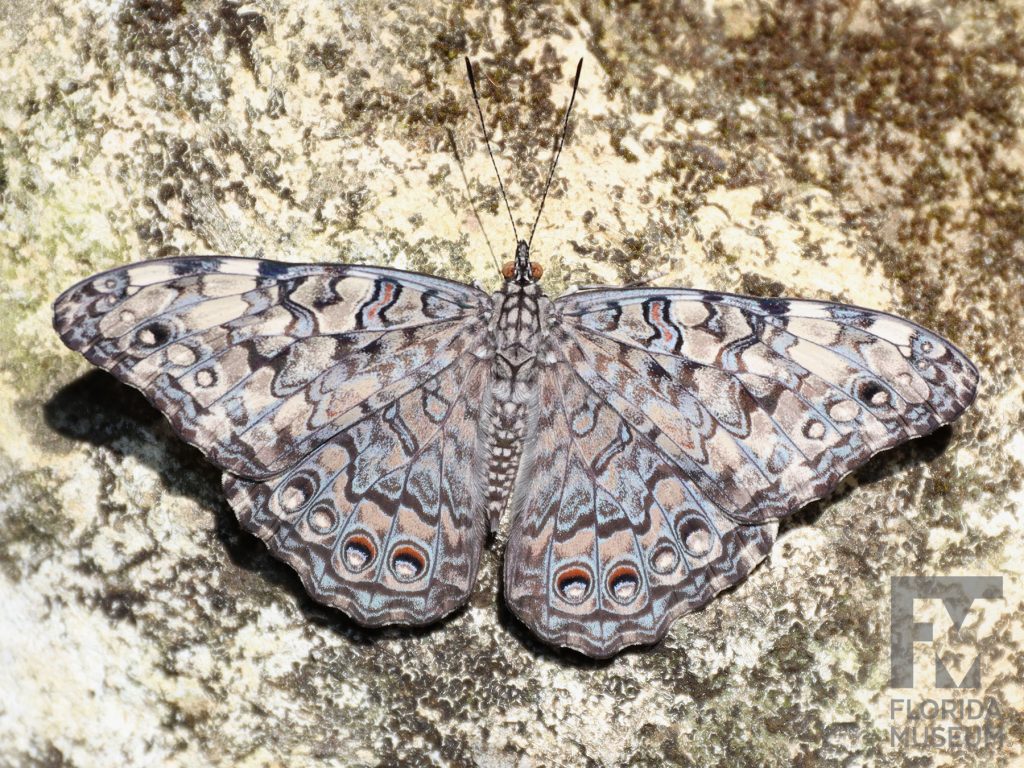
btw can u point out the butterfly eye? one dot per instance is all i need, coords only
(408, 563)
(624, 584)
(573, 584)
(358, 552)
(508, 270)
(536, 271)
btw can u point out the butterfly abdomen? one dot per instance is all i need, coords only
(504, 452)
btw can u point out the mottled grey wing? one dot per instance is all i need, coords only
(695, 420)
(278, 372)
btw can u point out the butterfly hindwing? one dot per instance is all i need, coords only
(384, 520)
(607, 545)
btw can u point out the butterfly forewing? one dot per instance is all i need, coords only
(775, 399)
(256, 362)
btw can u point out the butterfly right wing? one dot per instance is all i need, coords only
(673, 427)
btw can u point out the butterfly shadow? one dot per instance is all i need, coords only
(897, 460)
(100, 410)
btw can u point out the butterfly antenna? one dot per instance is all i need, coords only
(469, 196)
(487, 141)
(558, 150)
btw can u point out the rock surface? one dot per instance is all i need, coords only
(868, 152)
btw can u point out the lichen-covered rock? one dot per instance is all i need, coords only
(864, 152)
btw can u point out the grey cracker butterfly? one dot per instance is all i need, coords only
(374, 425)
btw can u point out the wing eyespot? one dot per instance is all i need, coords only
(874, 394)
(624, 584)
(574, 584)
(297, 492)
(358, 552)
(696, 536)
(323, 518)
(153, 335)
(408, 562)
(206, 377)
(814, 429)
(664, 558)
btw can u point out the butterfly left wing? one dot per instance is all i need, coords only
(680, 425)
(341, 401)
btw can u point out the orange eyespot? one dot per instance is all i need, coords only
(508, 270)
(536, 270)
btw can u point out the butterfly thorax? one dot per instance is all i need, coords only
(517, 332)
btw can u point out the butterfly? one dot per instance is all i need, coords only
(374, 425)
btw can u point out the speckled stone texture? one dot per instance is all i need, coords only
(869, 152)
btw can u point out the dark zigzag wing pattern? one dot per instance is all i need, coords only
(684, 423)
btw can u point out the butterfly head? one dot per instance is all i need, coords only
(522, 271)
